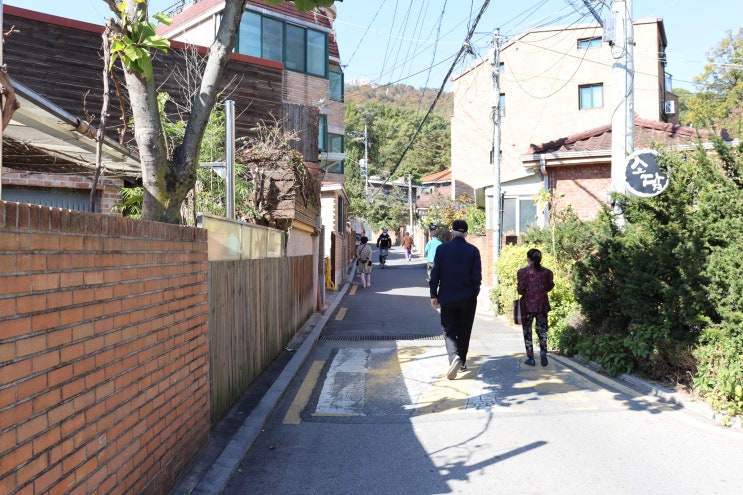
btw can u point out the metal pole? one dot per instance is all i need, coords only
(410, 203)
(229, 118)
(496, 206)
(366, 162)
(623, 116)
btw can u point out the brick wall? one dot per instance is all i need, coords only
(104, 352)
(315, 91)
(485, 244)
(107, 187)
(583, 187)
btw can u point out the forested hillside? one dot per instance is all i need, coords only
(401, 96)
(392, 114)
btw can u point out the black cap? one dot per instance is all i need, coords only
(459, 226)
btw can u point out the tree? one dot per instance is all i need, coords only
(720, 86)
(167, 179)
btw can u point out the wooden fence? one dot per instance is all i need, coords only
(255, 308)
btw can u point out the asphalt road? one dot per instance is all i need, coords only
(370, 411)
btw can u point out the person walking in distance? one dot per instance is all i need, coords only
(534, 282)
(384, 243)
(455, 284)
(364, 261)
(430, 249)
(407, 243)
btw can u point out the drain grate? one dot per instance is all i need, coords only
(362, 338)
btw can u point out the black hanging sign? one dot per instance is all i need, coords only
(644, 176)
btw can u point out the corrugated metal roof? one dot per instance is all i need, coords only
(43, 137)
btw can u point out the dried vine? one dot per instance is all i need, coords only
(278, 175)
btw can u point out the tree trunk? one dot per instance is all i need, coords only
(166, 183)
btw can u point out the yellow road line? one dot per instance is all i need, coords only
(352, 292)
(303, 395)
(341, 314)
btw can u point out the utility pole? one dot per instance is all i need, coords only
(366, 161)
(410, 203)
(623, 116)
(496, 206)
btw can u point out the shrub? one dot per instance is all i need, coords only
(719, 377)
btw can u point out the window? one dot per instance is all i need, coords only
(519, 215)
(295, 48)
(249, 41)
(300, 49)
(335, 143)
(273, 40)
(586, 43)
(591, 96)
(330, 143)
(341, 214)
(317, 52)
(335, 167)
(322, 133)
(336, 84)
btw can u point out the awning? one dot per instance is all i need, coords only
(43, 137)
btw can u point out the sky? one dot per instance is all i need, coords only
(415, 41)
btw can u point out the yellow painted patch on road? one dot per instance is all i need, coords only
(448, 396)
(341, 314)
(303, 396)
(352, 292)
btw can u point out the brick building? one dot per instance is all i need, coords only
(578, 167)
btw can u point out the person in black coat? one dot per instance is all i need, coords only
(455, 284)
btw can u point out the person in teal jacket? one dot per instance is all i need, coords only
(430, 250)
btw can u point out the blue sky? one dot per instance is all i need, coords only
(411, 42)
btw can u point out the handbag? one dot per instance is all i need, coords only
(517, 312)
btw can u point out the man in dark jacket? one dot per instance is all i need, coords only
(455, 284)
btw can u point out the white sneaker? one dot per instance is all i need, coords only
(454, 368)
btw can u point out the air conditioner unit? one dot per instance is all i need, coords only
(669, 108)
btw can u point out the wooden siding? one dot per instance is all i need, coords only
(62, 62)
(250, 320)
(304, 121)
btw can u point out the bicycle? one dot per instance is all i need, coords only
(383, 253)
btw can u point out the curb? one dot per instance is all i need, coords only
(638, 385)
(632, 384)
(218, 475)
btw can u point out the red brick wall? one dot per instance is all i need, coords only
(108, 187)
(485, 245)
(104, 352)
(584, 187)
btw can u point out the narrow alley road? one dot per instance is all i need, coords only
(372, 412)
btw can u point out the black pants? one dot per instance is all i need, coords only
(456, 321)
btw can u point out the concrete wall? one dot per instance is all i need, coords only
(104, 352)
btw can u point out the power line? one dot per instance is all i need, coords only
(465, 44)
